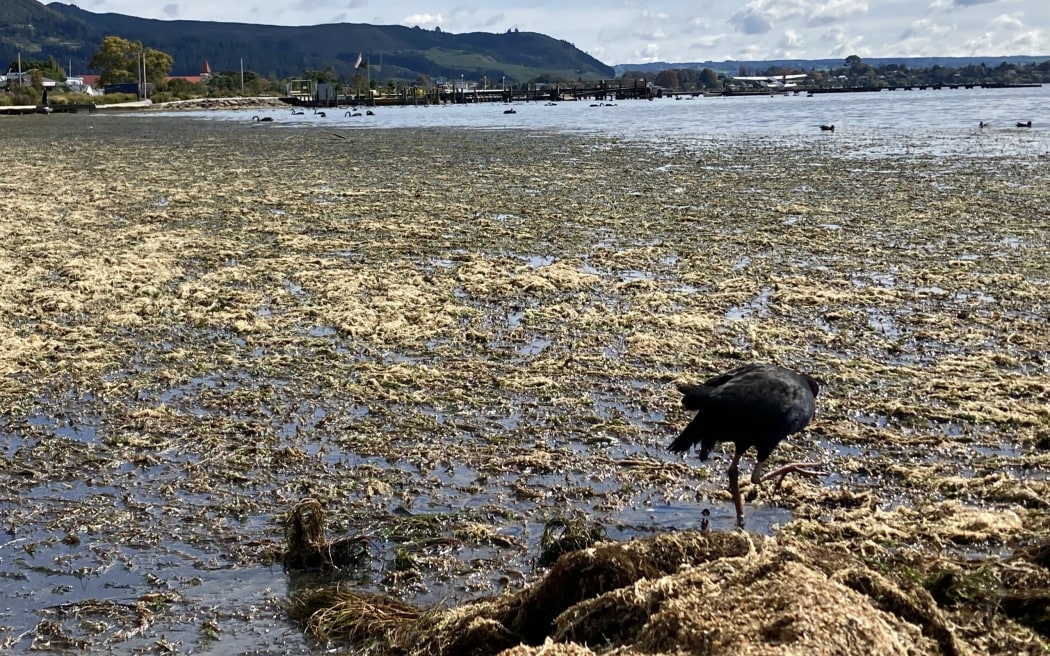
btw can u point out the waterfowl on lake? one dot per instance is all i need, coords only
(298, 112)
(828, 128)
(510, 111)
(321, 114)
(351, 113)
(983, 125)
(1024, 125)
(756, 405)
(265, 119)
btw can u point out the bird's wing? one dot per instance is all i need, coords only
(722, 379)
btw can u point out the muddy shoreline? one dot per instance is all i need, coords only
(449, 337)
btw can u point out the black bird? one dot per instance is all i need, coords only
(1024, 125)
(265, 119)
(828, 128)
(756, 405)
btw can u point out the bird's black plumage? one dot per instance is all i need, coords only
(756, 405)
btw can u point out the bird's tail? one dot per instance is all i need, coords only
(694, 397)
(692, 434)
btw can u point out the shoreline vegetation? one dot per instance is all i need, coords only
(429, 345)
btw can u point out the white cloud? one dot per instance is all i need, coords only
(751, 21)
(951, 5)
(310, 5)
(1028, 42)
(423, 20)
(649, 53)
(840, 43)
(1008, 22)
(707, 42)
(790, 43)
(835, 11)
(628, 31)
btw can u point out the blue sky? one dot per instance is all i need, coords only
(634, 31)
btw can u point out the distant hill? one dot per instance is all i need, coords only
(733, 67)
(72, 35)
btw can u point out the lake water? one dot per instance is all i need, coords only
(923, 123)
(867, 124)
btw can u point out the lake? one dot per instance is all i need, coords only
(870, 124)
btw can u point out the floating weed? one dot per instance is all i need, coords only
(560, 536)
(306, 546)
(341, 613)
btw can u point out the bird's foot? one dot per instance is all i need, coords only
(803, 468)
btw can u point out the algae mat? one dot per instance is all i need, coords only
(449, 337)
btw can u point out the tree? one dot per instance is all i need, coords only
(668, 79)
(327, 75)
(118, 60)
(359, 84)
(709, 78)
(48, 68)
(158, 65)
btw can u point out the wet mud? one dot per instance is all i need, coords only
(444, 342)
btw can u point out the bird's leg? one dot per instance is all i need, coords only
(804, 468)
(734, 489)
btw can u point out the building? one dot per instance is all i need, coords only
(25, 78)
(202, 78)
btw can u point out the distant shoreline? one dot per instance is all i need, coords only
(248, 102)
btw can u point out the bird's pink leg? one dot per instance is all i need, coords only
(734, 489)
(804, 468)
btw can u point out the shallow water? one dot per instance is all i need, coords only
(867, 125)
(197, 552)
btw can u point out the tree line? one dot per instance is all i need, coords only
(855, 73)
(120, 60)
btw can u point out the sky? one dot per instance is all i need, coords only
(636, 31)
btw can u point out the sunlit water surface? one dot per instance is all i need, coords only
(918, 122)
